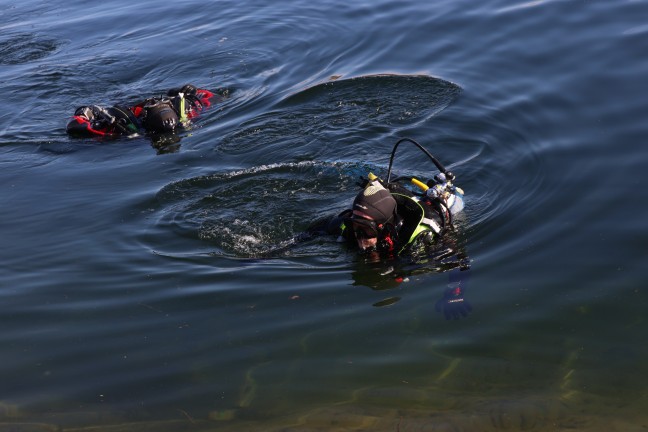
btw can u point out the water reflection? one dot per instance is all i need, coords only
(26, 47)
(557, 337)
(339, 111)
(385, 275)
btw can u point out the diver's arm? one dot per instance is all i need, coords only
(453, 304)
(329, 225)
(442, 255)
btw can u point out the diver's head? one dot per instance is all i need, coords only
(160, 118)
(373, 209)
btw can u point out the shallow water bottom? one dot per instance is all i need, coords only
(398, 409)
(457, 394)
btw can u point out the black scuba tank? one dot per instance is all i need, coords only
(160, 117)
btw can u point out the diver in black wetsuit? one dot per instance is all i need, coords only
(389, 223)
(153, 115)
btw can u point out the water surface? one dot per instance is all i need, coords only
(158, 282)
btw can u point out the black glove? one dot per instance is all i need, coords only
(453, 304)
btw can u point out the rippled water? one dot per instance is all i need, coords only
(158, 283)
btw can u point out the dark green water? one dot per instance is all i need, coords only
(155, 284)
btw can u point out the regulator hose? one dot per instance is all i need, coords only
(434, 160)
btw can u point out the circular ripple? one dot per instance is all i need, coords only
(258, 211)
(350, 106)
(24, 48)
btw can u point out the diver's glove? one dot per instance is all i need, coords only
(453, 304)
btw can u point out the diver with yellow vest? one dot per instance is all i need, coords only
(389, 220)
(155, 115)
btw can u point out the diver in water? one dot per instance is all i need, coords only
(388, 220)
(155, 115)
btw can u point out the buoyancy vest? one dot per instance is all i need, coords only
(415, 218)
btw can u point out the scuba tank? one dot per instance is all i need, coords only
(443, 191)
(439, 193)
(449, 194)
(159, 115)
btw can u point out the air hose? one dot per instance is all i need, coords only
(434, 160)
